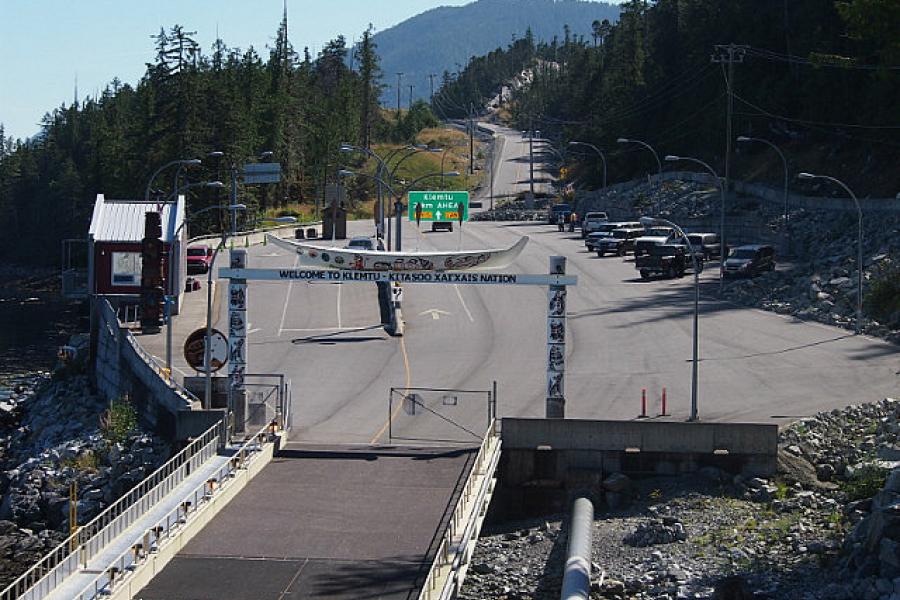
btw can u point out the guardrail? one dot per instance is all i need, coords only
(454, 553)
(168, 526)
(76, 550)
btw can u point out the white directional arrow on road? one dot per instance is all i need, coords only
(435, 313)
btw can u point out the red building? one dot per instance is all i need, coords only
(114, 247)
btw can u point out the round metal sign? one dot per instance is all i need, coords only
(195, 349)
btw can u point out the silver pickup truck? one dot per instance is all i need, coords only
(592, 222)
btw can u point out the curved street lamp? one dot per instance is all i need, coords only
(673, 158)
(646, 221)
(599, 153)
(189, 162)
(648, 147)
(746, 139)
(859, 243)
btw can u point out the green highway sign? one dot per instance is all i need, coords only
(439, 206)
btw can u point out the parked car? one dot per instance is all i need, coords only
(439, 225)
(592, 222)
(199, 259)
(707, 242)
(361, 243)
(668, 260)
(604, 230)
(749, 260)
(620, 242)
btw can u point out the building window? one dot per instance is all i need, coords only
(126, 268)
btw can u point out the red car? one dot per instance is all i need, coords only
(199, 259)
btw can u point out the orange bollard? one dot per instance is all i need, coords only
(664, 413)
(643, 414)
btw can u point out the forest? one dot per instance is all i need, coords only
(226, 107)
(819, 78)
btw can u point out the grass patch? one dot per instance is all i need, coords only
(118, 421)
(86, 462)
(865, 483)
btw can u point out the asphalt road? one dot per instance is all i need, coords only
(624, 335)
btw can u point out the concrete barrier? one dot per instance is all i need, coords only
(546, 462)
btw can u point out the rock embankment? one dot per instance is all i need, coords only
(827, 527)
(54, 432)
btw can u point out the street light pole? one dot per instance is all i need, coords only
(786, 215)
(648, 147)
(170, 277)
(695, 356)
(191, 162)
(599, 153)
(722, 245)
(859, 243)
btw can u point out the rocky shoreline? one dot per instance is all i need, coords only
(827, 527)
(54, 431)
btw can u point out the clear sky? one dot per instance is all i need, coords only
(45, 44)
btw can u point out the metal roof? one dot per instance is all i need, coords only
(123, 220)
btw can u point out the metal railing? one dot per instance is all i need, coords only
(160, 370)
(448, 555)
(173, 522)
(80, 547)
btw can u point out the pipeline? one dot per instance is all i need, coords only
(577, 576)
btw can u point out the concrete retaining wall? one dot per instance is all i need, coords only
(546, 462)
(121, 367)
(774, 197)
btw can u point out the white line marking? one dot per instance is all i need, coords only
(340, 287)
(321, 329)
(254, 330)
(287, 297)
(463, 302)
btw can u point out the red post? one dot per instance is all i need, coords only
(664, 413)
(643, 414)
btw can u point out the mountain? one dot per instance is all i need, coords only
(444, 38)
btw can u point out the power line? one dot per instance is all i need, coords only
(808, 122)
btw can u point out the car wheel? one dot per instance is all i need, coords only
(621, 251)
(680, 273)
(645, 274)
(670, 272)
(600, 253)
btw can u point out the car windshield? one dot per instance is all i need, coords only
(196, 252)
(742, 253)
(360, 244)
(620, 234)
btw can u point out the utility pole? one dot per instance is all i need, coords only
(729, 53)
(409, 106)
(471, 139)
(531, 156)
(399, 79)
(431, 76)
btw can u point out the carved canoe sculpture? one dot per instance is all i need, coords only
(372, 260)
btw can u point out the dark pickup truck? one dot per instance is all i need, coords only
(668, 260)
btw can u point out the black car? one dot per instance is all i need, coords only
(620, 242)
(750, 260)
(668, 260)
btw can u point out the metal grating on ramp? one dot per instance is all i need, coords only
(324, 522)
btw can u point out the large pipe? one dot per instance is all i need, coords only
(577, 577)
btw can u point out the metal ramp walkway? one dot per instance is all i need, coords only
(340, 522)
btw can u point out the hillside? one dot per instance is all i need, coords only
(443, 39)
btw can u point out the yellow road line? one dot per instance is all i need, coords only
(399, 404)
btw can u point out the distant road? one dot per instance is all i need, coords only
(624, 335)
